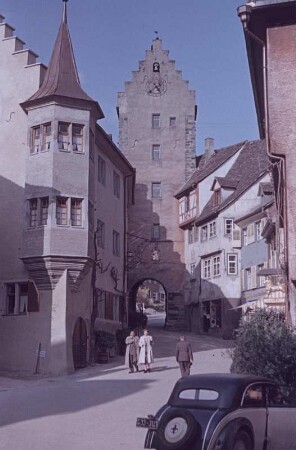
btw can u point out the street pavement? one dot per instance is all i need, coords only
(96, 408)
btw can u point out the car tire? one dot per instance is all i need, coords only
(177, 430)
(242, 441)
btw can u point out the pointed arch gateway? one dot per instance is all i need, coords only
(149, 295)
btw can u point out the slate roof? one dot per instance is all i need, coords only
(226, 182)
(251, 164)
(206, 167)
(61, 79)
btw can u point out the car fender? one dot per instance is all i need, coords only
(247, 419)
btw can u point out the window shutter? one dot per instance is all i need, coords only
(251, 233)
(253, 277)
(33, 297)
(236, 238)
(243, 279)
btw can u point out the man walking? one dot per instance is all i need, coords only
(184, 356)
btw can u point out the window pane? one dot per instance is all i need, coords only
(155, 152)
(155, 120)
(156, 231)
(101, 170)
(36, 139)
(43, 210)
(172, 121)
(10, 307)
(77, 138)
(116, 184)
(100, 234)
(76, 212)
(46, 136)
(63, 136)
(156, 190)
(33, 212)
(61, 212)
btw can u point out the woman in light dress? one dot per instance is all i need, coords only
(146, 354)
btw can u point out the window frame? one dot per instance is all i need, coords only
(100, 233)
(228, 230)
(212, 232)
(156, 231)
(155, 152)
(62, 217)
(207, 268)
(204, 233)
(116, 184)
(172, 122)
(229, 263)
(116, 243)
(101, 170)
(154, 186)
(216, 265)
(76, 218)
(155, 121)
(77, 136)
(63, 144)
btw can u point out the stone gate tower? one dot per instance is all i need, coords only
(157, 114)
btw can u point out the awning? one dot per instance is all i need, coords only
(270, 271)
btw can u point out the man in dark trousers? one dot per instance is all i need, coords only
(184, 356)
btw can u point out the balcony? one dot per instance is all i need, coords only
(187, 217)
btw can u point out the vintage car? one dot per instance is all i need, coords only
(223, 412)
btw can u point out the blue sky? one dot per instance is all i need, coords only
(109, 37)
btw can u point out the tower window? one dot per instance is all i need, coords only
(33, 212)
(156, 190)
(61, 211)
(155, 152)
(77, 138)
(36, 139)
(63, 136)
(156, 67)
(172, 121)
(76, 212)
(155, 120)
(43, 210)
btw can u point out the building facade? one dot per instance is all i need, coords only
(270, 29)
(213, 239)
(64, 200)
(157, 114)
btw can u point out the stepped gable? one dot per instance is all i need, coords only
(61, 79)
(206, 167)
(251, 164)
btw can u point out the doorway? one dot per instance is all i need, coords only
(79, 344)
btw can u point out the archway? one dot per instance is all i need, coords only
(79, 344)
(149, 296)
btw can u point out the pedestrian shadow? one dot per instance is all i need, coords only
(162, 368)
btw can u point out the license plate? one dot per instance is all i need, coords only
(145, 422)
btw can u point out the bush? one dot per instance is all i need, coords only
(105, 341)
(266, 346)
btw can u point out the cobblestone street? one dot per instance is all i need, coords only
(96, 408)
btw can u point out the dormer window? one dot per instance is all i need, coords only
(40, 138)
(217, 197)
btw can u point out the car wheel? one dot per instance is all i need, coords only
(177, 429)
(242, 441)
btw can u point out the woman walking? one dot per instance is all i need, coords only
(146, 354)
(132, 352)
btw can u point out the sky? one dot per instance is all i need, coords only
(109, 37)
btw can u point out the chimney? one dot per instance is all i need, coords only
(209, 148)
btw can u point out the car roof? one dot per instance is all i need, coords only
(230, 387)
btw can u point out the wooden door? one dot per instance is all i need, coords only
(80, 344)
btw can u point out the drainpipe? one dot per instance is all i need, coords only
(244, 13)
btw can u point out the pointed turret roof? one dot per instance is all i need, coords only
(61, 79)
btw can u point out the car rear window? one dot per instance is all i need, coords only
(199, 394)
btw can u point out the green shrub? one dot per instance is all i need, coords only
(266, 346)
